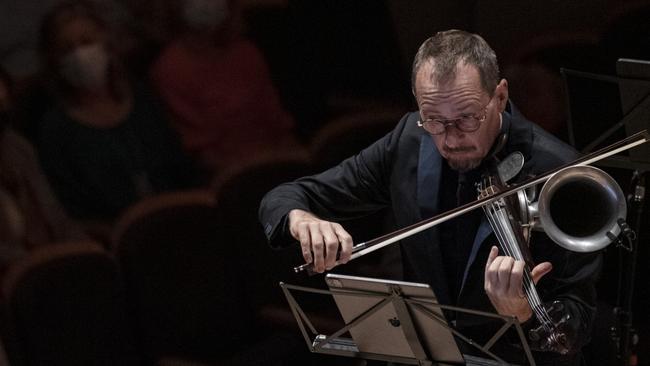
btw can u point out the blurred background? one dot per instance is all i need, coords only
(130, 191)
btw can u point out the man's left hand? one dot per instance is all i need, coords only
(503, 284)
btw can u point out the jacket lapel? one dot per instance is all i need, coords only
(484, 230)
(429, 166)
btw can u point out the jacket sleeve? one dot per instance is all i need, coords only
(356, 187)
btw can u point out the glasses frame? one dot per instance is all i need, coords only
(454, 121)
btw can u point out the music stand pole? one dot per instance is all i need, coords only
(624, 310)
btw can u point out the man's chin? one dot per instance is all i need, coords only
(464, 165)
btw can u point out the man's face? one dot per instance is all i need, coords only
(462, 96)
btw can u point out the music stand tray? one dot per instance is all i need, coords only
(395, 321)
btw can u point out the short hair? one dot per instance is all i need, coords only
(450, 47)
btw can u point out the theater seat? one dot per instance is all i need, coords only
(182, 296)
(65, 305)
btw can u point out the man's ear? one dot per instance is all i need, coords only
(501, 96)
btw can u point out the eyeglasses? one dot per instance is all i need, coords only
(464, 123)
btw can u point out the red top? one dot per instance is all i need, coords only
(223, 101)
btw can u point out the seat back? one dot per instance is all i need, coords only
(347, 135)
(182, 295)
(65, 305)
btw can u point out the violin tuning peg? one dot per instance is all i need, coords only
(563, 321)
(534, 335)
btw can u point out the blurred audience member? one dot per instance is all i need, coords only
(217, 86)
(154, 24)
(19, 23)
(105, 143)
(30, 215)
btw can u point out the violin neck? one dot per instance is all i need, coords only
(510, 236)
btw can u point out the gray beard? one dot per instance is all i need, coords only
(464, 165)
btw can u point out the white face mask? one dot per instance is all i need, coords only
(205, 14)
(86, 67)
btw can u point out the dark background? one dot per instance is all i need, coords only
(334, 58)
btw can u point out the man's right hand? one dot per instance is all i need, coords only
(321, 241)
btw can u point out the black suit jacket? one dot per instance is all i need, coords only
(402, 171)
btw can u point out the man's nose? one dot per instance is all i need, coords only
(453, 136)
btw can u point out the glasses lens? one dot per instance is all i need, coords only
(434, 128)
(468, 123)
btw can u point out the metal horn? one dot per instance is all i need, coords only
(579, 208)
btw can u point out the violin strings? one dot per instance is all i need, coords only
(529, 289)
(515, 252)
(499, 223)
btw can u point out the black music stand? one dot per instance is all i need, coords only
(395, 321)
(632, 88)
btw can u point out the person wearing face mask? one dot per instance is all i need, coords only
(218, 89)
(104, 143)
(86, 67)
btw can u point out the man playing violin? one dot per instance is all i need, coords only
(428, 165)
